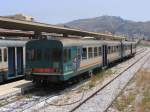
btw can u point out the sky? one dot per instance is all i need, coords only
(62, 11)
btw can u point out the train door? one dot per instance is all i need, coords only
(11, 62)
(67, 62)
(71, 59)
(76, 57)
(19, 60)
(104, 55)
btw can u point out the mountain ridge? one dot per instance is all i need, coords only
(115, 25)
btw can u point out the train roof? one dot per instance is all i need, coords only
(129, 42)
(80, 42)
(12, 43)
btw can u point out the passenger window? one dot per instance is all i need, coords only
(99, 51)
(117, 48)
(114, 48)
(79, 53)
(90, 52)
(0, 55)
(109, 50)
(95, 52)
(5, 54)
(67, 55)
(84, 53)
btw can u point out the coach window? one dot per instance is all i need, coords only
(109, 49)
(90, 52)
(95, 52)
(5, 54)
(117, 48)
(99, 50)
(67, 55)
(47, 54)
(112, 49)
(0, 55)
(56, 55)
(78, 53)
(84, 53)
(34, 54)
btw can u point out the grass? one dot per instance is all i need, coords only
(99, 77)
(123, 101)
(143, 81)
(142, 88)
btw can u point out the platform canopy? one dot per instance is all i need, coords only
(37, 28)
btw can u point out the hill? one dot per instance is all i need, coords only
(113, 24)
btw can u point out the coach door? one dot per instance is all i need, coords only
(11, 62)
(75, 55)
(19, 60)
(104, 55)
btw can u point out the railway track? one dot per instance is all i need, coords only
(124, 87)
(96, 92)
(26, 104)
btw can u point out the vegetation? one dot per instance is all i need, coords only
(136, 96)
(98, 77)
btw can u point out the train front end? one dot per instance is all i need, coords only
(43, 61)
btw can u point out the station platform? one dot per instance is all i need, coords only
(14, 88)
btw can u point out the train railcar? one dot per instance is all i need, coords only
(60, 60)
(12, 59)
(113, 51)
(128, 49)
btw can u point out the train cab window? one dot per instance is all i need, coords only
(84, 53)
(0, 55)
(95, 52)
(47, 54)
(5, 55)
(34, 54)
(90, 52)
(38, 54)
(99, 51)
(67, 55)
(115, 48)
(56, 55)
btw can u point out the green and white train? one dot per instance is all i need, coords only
(62, 59)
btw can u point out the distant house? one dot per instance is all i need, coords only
(20, 17)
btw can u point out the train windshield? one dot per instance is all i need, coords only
(45, 59)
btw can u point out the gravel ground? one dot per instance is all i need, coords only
(52, 105)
